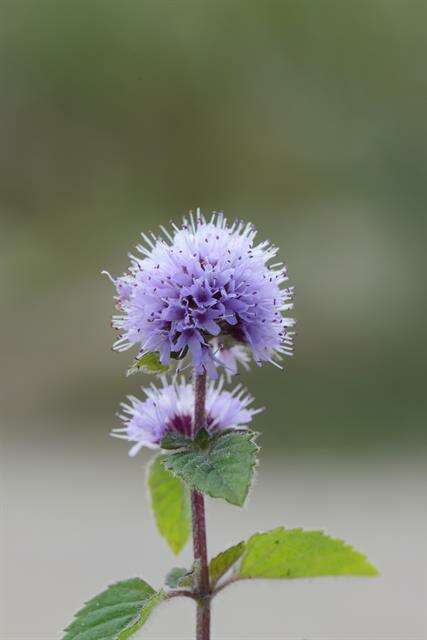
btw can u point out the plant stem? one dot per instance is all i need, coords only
(199, 526)
(182, 593)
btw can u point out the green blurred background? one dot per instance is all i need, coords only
(306, 117)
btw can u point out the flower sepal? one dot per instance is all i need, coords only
(173, 441)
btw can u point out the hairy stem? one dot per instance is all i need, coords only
(180, 593)
(202, 585)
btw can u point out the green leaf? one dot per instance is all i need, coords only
(171, 505)
(219, 565)
(224, 432)
(223, 470)
(175, 441)
(187, 580)
(180, 578)
(116, 613)
(294, 553)
(148, 363)
(174, 576)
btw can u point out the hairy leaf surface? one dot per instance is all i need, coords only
(224, 469)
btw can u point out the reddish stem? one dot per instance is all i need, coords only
(181, 593)
(202, 586)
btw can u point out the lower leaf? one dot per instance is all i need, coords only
(294, 553)
(287, 554)
(116, 613)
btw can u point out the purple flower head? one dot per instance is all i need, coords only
(205, 280)
(171, 409)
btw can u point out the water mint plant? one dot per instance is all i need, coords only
(199, 301)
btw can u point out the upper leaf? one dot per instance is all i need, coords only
(116, 613)
(224, 469)
(171, 505)
(148, 363)
(294, 553)
(219, 565)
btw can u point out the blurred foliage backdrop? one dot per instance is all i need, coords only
(306, 117)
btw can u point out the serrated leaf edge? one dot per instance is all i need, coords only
(345, 545)
(140, 619)
(146, 608)
(236, 576)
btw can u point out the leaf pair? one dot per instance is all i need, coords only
(119, 611)
(221, 467)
